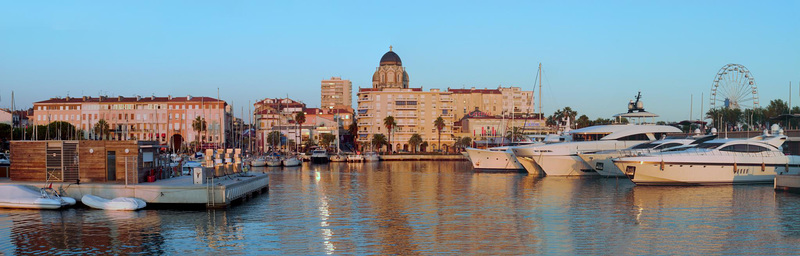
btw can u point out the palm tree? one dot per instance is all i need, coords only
(515, 134)
(299, 118)
(101, 128)
(414, 141)
(439, 124)
(378, 140)
(390, 124)
(199, 124)
(274, 138)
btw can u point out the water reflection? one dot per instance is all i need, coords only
(430, 207)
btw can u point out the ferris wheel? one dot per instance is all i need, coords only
(734, 87)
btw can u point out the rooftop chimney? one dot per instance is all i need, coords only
(169, 97)
(138, 98)
(119, 98)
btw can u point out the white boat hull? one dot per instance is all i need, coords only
(355, 158)
(603, 164)
(274, 162)
(338, 158)
(24, 197)
(116, 204)
(493, 159)
(557, 165)
(650, 171)
(292, 161)
(258, 163)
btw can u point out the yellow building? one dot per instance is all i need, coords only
(413, 109)
(502, 101)
(336, 93)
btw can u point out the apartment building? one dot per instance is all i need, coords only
(167, 120)
(336, 93)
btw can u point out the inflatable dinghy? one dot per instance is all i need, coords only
(116, 204)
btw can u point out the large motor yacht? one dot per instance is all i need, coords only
(602, 164)
(561, 159)
(720, 161)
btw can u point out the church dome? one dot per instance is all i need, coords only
(391, 58)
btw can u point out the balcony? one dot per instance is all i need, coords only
(446, 99)
(364, 124)
(405, 107)
(364, 99)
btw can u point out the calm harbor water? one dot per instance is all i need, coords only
(431, 207)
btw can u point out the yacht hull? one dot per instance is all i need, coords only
(603, 164)
(710, 173)
(493, 160)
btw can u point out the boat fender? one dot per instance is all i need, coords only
(662, 165)
(763, 167)
(734, 167)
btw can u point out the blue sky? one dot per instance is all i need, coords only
(596, 54)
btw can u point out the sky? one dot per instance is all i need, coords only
(595, 55)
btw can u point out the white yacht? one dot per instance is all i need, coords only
(503, 158)
(319, 155)
(720, 161)
(602, 164)
(561, 159)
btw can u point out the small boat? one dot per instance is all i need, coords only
(260, 161)
(274, 159)
(338, 158)
(293, 160)
(319, 155)
(24, 197)
(355, 158)
(371, 156)
(116, 204)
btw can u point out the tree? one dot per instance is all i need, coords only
(466, 142)
(414, 141)
(725, 117)
(560, 116)
(424, 144)
(274, 139)
(515, 134)
(389, 123)
(378, 140)
(326, 139)
(439, 124)
(583, 121)
(299, 118)
(101, 128)
(199, 125)
(353, 130)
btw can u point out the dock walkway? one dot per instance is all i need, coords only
(218, 192)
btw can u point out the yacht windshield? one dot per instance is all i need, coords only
(588, 136)
(709, 145)
(645, 145)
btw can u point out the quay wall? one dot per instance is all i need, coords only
(423, 158)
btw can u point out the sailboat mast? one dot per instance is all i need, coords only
(541, 114)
